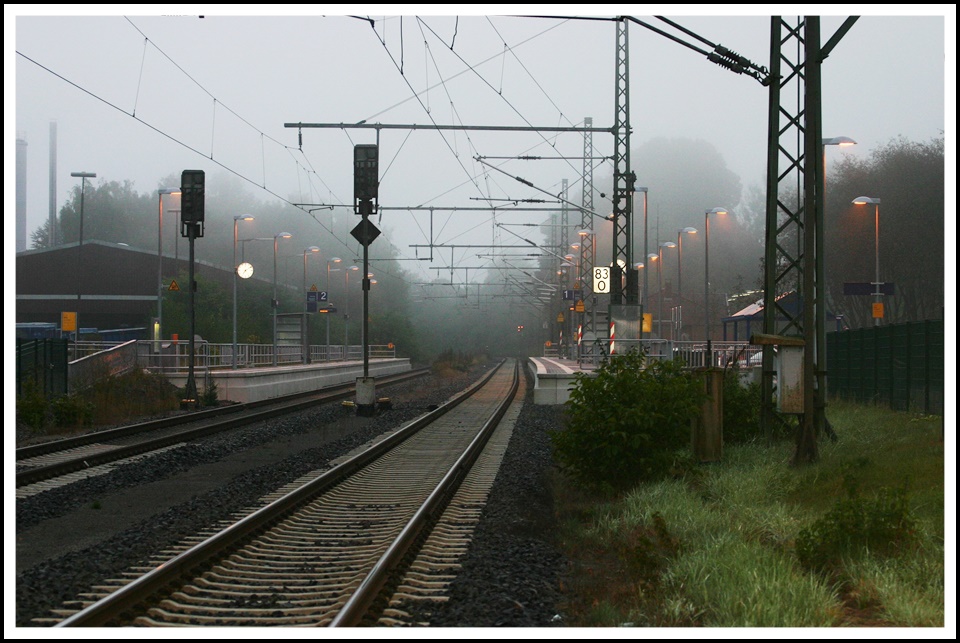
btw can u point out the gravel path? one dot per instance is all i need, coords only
(69, 539)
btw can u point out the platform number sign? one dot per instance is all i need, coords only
(601, 279)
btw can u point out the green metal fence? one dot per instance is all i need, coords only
(900, 365)
(44, 363)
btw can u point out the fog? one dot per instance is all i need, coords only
(141, 97)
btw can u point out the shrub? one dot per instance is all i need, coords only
(626, 423)
(741, 409)
(882, 525)
(118, 398)
(209, 397)
(31, 405)
(647, 550)
(72, 411)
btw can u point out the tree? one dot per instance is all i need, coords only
(908, 177)
(112, 211)
(40, 238)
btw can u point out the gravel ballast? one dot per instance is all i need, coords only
(72, 538)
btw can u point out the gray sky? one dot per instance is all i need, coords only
(140, 97)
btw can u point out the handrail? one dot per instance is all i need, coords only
(168, 357)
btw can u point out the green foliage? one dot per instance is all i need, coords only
(910, 177)
(626, 423)
(739, 522)
(454, 360)
(741, 409)
(646, 550)
(31, 404)
(209, 395)
(72, 411)
(138, 393)
(882, 525)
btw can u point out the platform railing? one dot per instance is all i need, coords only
(693, 354)
(168, 357)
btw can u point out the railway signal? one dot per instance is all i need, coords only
(191, 226)
(192, 198)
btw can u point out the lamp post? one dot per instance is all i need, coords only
(584, 269)
(820, 346)
(665, 244)
(646, 252)
(877, 295)
(83, 176)
(706, 278)
(652, 258)
(680, 233)
(311, 249)
(276, 303)
(236, 219)
(346, 309)
(640, 266)
(158, 332)
(332, 260)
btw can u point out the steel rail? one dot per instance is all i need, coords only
(356, 607)
(107, 609)
(278, 406)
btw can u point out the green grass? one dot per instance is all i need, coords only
(731, 527)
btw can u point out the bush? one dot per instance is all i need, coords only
(741, 409)
(31, 405)
(626, 423)
(646, 551)
(72, 411)
(882, 525)
(210, 396)
(119, 398)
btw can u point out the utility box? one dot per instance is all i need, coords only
(366, 396)
(790, 379)
(789, 365)
(706, 430)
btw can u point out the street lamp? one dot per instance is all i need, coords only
(83, 176)
(276, 303)
(706, 276)
(680, 233)
(158, 334)
(842, 141)
(311, 249)
(665, 244)
(331, 260)
(241, 217)
(820, 346)
(652, 258)
(864, 200)
(639, 266)
(346, 309)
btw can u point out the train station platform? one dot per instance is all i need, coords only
(255, 384)
(554, 378)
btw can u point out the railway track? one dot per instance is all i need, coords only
(50, 464)
(332, 551)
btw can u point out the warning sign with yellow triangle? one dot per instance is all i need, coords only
(174, 286)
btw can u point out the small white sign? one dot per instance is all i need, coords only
(601, 279)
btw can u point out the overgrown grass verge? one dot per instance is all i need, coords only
(110, 400)
(716, 543)
(450, 363)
